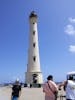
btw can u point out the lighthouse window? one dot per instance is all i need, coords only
(33, 32)
(34, 45)
(33, 23)
(34, 58)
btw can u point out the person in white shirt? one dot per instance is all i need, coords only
(69, 88)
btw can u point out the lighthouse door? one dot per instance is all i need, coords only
(35, 78)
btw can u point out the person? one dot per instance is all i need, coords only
(50, 88)
(69, 87)
(16, 90)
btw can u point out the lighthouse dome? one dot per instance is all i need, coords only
(33, 14)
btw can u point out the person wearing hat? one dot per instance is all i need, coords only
(50, 88)
(69, 87)
(16, 90)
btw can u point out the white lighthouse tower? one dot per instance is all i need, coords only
(33, 74)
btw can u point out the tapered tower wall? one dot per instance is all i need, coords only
(33, 66)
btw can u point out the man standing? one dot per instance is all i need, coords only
(50, 88)
(69, 87)
(16, 90)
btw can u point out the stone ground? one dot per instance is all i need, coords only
(27, 94)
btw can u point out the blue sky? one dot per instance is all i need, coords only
(56, 30)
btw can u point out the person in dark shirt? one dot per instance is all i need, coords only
(16, 90)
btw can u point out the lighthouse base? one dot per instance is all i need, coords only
(34, 78)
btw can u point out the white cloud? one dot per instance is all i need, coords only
(72, 20)
(70, 29)
(72, 48)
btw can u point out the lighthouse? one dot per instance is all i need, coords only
(33, 74)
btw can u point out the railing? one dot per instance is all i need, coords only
(61, 97)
